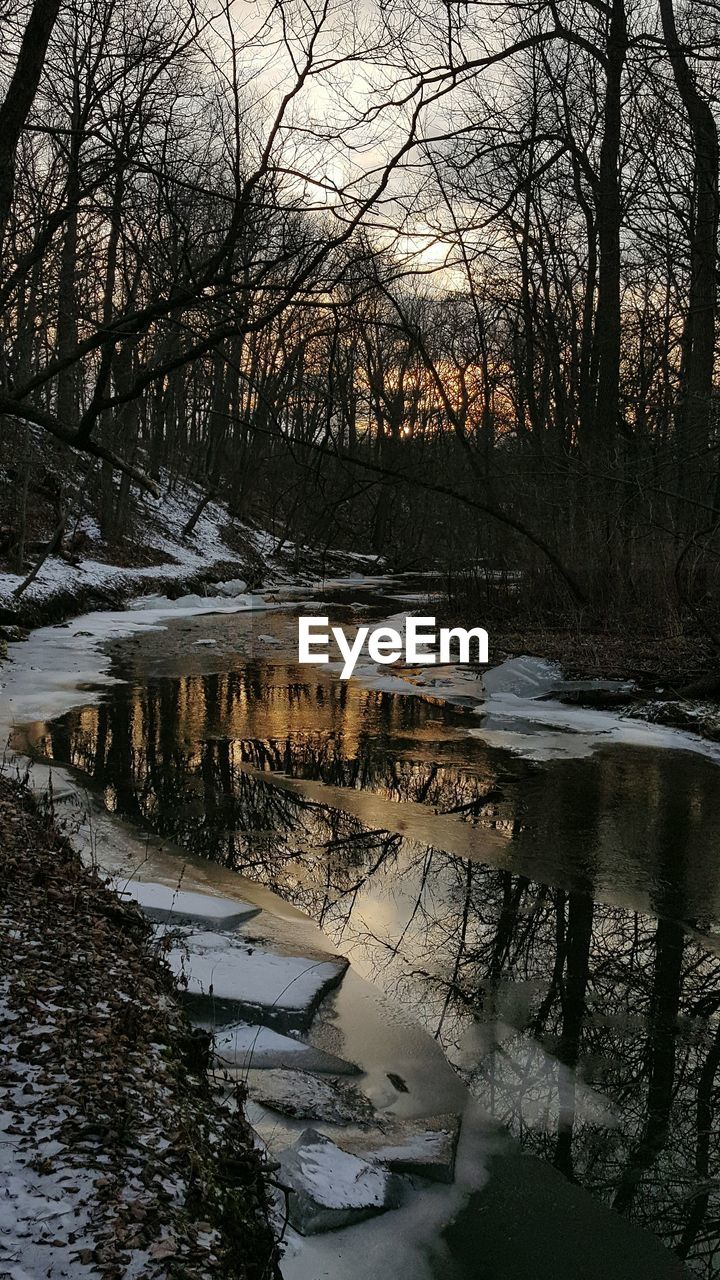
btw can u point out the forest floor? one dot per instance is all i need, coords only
(117, 1158)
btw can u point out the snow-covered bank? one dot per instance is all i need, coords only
(62, 665)
(164, 556)
(519, 705)
(161, 557)
(117, 1158)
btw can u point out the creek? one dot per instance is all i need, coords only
(536, 895)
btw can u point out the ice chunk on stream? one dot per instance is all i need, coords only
(159, 606)
(264, 1049)
(307, 1097)
(232, 587)
(330, 1188)
(227, 978)
(423, 1147)
(164, 902)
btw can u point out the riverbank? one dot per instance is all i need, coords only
(668, 681)
(181, 544)
(118, 1158)
(652, 661)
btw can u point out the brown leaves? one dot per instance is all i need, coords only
(166, 1248)
(94, 1054)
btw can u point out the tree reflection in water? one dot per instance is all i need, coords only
(582, 1008)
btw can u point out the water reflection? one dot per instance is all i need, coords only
(544, 922)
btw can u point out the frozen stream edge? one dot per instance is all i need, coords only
(62, 667)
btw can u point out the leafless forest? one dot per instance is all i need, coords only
(433, 280)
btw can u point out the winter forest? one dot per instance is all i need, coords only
(389, 318)
(430, 280)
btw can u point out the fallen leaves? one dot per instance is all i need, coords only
(164, 1249)
(116, 1128)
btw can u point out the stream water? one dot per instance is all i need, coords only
(550, 922)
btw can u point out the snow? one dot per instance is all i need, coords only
(262, 1048)
(165, 902)
(163, 522)
(331, 1188)
(337, 1179)
(190, 605)
(49, 673)
(358, 580)
(548, 729)
(42, 1226)
(222, 968)
(159, 528)
(305, 1096)
(246, 1038)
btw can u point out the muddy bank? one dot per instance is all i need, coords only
(118, 1158)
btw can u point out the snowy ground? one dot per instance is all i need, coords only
(49, 671)
(102, 1114)
(178, 558)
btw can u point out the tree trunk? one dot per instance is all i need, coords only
(21, 95)
(700, 328)
(607, 315)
